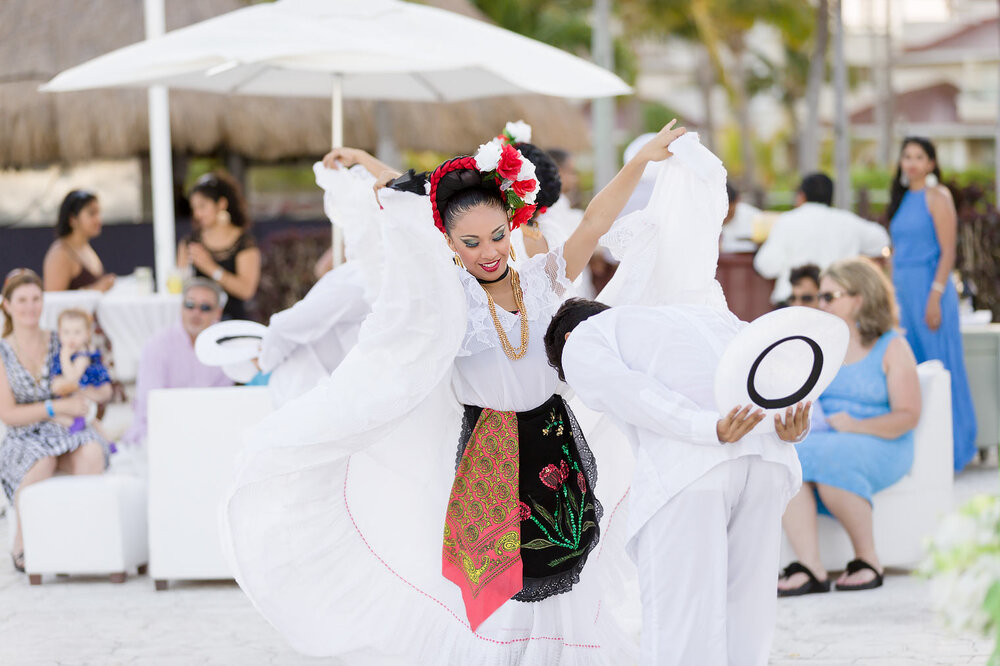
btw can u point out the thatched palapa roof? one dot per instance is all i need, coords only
(40, 38)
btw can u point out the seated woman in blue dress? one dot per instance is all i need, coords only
(871, 409)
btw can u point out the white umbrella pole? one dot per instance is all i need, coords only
(337, 133)
(160, 162)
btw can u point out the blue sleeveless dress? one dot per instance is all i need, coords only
(915, 257)
(861, 464)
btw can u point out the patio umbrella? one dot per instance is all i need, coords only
(364, 49)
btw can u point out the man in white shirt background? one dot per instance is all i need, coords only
(737, 228)
(815, 232)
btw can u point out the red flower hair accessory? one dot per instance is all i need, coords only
(497, 163)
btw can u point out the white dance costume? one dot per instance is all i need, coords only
(334, 525)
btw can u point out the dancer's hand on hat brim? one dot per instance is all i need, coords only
(737, 423)
(795, 424)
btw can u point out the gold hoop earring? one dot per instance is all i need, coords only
(458, 261)
(512, 255)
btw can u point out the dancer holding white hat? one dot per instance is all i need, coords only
(711, 406)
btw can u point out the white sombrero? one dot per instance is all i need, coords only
(782, 358)
(231, 345)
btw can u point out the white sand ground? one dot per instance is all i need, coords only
(91, 621)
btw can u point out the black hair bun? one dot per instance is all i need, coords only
(546, 172)
(460, 180)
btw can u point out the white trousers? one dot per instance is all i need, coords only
(707, 564)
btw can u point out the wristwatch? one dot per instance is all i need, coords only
(217, 274)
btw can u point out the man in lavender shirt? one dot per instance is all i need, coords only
(168, 359)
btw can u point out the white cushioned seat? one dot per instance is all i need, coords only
(87, 524)
(907, 512)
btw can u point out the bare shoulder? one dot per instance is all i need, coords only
(58, 250)
(938, 196)
(899, 354)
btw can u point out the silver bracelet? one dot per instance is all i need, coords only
(938, 287)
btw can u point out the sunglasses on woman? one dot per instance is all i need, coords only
(830, 296)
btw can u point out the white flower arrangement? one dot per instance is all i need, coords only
(527, 171)
(519, 131)
(488, 155)
(963, 564)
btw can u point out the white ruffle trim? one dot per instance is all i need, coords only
(545, 286)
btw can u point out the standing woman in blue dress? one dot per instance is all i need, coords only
(923, 229)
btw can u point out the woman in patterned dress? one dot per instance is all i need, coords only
(35, 446)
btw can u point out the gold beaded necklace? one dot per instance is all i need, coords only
(508, 349)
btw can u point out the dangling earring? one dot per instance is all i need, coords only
(931, 180)
(223, 217)
(458, 261)
(513, 257)
(904, 180)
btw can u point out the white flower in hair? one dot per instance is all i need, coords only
(519, 131)
(527, 171)
(488, 155)
(529, 198)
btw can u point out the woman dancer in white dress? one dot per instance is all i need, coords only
(335, 521)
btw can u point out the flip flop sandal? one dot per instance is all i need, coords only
(853, 567)
(811, 586)
(18, 561)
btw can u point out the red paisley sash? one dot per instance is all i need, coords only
(482, 528)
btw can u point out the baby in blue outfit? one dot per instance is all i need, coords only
(76, 366)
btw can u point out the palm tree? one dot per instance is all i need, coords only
(809, 139)
(721, 26)
(842, 145)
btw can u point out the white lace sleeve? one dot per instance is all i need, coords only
(543, 278)
(670, 249)
(624, 232)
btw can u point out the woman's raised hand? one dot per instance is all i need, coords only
(338, 157)
(383, 180)
(658, 147)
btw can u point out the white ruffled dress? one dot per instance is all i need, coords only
(334, 524)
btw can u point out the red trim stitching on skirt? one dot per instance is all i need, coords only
(437, 601)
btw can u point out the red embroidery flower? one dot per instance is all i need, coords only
(563, 470)
(522, 187)
(524, 510)
(551, 477)
(510, 162)
(581, 482)
(521, 216)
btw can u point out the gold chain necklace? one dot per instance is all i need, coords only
(508, 349)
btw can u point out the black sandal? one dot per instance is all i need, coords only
(811, 586)
(853, 567)
(18, 561)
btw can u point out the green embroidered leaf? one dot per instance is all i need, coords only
(589, 507)
(543, 512)
(538, 544)
(573, 502)
(587, 525)
(569, 520)
(559, 560)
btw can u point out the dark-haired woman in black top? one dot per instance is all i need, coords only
(220, 246)
(71, 263)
